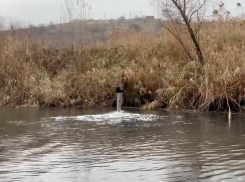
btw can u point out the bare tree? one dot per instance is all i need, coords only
(74, 19)
(12, 29)
(2, 22)
(181, 16)
(68, 14)
(52, 26)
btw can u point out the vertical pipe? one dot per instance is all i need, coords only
(119, 101)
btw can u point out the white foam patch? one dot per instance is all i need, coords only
(111, 117)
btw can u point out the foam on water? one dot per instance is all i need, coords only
(111, 117)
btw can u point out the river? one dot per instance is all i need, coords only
(94, 145)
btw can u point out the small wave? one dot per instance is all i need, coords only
(17, 123)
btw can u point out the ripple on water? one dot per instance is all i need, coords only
(119, 146)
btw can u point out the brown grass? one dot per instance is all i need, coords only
(157, 69)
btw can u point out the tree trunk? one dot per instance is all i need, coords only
(191, 32)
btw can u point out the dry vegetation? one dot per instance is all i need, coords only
(158, 72)
(81, 32)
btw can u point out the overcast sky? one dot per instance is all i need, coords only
(45, 11)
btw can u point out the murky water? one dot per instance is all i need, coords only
(102, 145)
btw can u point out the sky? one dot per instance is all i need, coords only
(37, 12)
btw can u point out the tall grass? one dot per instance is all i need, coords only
(158, 72)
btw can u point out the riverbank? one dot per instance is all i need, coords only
(158, 72)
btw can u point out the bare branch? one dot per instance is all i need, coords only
(197, 10)
(179, 15)
(178, 39)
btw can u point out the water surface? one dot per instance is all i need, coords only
(96, 145)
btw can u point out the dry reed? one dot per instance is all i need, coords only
(158, 72)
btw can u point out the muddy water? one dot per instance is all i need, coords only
(102, 145)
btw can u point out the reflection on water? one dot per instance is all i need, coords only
(103, 145)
